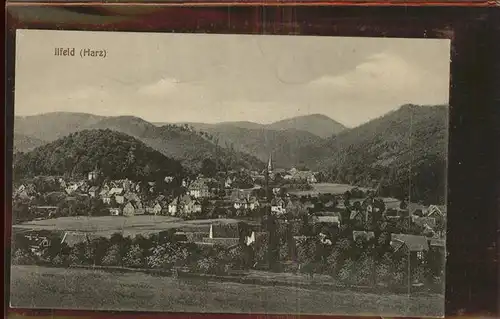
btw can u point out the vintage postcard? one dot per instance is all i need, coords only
(229, 173)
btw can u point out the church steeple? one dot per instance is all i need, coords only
(270, 164)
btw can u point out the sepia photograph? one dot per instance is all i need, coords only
(219, 173)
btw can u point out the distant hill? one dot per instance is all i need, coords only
(282, 145)
(282, 139)
(404, 152)
(116, 154)
(317, 124)
(51, 126)
(25, 143)
(178, 142)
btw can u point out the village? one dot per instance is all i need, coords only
(228, 217)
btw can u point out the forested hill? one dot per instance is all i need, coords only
(404, 152)
(283, 145)
(116, 154)
(24, 143)
(179, 142)
(182, 143)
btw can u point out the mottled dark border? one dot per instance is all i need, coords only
(473, 170)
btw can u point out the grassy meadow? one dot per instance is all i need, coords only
(56, 288)
(129, 226)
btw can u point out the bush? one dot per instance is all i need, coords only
(80, 254)
(60, 260)
(113, 256)
(134, 257)
(345, 273)
(23, 257)
(261, 248)
(334, 261)
(207, 265)
(307, 250)
(167, 255)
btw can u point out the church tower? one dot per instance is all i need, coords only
(270, 164)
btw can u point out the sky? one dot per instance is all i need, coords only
(169, 77)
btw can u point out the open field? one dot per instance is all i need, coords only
(128, 226)
(40, 287)
(323, 188)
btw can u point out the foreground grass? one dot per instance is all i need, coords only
(40, 287)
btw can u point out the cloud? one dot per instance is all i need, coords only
(380, 72)
(378, 84)
(160, 88)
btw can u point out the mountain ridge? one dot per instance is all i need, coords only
(117, 155)
(317, 124)
(179, 143)
(403, 153)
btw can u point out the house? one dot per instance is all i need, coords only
(84, 187)
(127, 185)
(413, 244)
(335, 220)
(131, 209)
(104, 190)
(184, 205)
(132, 197)
(38, 241)
(160, 199)
(116, 191)
(253, 203)
(93, 191)
(311, 179)
(304, 176)
(151, 186)
(324, 239)
(358, 215)
(436, 211)
(366, 235)
(228, 183)
(21, 188)
(22, 192)
(73, 238)
(308, 204)
(62, 183)
(115, 211)
(173, 207)
(71, 189)
(154, 210)
(199, 189)
(226, 242)
(240, 204)
(168, 179)
(139, 208)
(119, 199)
(93, 175)
(106, 199)
(44, 211)
(424, 221)
(138, 187)
(157, 209)
(437, 244)
(192, 207)
(277, 206)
